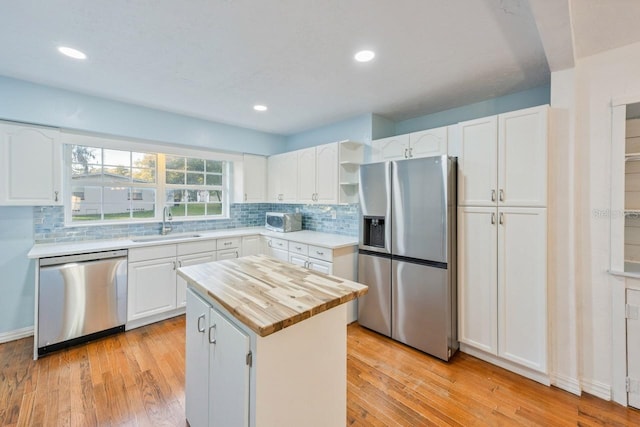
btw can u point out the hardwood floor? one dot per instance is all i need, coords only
(137, 379)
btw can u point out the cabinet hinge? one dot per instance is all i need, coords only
(250, 359)
(631, 312)
(633, 386)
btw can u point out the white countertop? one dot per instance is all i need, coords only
(327, 240)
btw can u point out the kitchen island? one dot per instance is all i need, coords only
(266, 344)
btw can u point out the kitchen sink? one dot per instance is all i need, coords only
(169, 237)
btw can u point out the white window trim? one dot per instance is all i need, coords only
(107, 142)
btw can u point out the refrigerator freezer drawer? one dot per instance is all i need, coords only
(421, 307)
(374, 308)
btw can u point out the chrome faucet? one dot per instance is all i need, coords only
(166, 216)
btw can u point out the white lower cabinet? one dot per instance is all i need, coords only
(502, 291)
(155, 291)
(251, 245)
(311, 263)
(633, 347)
(151, 287)
(217, 367)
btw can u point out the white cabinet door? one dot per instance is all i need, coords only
(321, 266)
(151, 288)
(477, 278)
(251, 245)
(228, 373)
(185, 261)
(300, 260)
(522, 286)
(633, 347)
(288, 177)
(196, 388)
(31, 161)
(431, 142)
(274, 177)
(306, 175)
(327, 174)
(478, 162)
(392, 148)
(255, 178)
(522, 173)
(228, 254)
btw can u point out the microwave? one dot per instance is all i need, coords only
(283, 222)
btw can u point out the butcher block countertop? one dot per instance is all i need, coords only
(268, 295)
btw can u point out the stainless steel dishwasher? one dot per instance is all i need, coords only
(81, 297)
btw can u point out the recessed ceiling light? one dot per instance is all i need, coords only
(260, 107)
(71, 52)
(365, 55)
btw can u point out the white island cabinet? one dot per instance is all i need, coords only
(266, 344)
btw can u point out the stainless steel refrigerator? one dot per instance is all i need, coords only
(407, 252)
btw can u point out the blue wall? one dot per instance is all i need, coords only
(515, 101)
(355, 129)
(17, 283)
(32, 103)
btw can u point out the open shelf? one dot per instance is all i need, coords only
(350, 158)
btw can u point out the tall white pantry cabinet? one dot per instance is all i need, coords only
(502, 252)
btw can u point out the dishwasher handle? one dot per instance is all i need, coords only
(93, 256)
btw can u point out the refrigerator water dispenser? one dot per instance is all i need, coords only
(373, 231)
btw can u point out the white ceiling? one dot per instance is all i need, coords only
(215, 59)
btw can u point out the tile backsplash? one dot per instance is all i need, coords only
(49, 222)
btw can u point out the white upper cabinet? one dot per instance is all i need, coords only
(31, 160)
(307, 175)
(283, 175)
(392, 148)
(430, 142)
(254, 183)
(318, 174)
(426, 143)
(327, 173)
(522, 156)
(478, 162)
(503, 160)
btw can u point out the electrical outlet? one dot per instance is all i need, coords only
(334, 214)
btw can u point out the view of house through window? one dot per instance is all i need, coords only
(116, 185)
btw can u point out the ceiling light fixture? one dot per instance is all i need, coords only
(260, 107)
(365, 55)
(71, 52)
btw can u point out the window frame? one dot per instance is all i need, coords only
(70, 139)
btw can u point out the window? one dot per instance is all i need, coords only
(108, 185)
(193, 186)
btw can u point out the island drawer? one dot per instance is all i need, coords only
(298, 248)
(232, 242)
(321, 253)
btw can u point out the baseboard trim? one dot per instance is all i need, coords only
(16, 334)
(597, 389)
(510, 366)
(572, 385)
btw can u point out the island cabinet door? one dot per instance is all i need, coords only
(228, 373)
(197, 361)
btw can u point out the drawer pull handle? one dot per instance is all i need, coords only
(493, 195)
(298, 248)
(200, 328)
(227, 243)
(320, 253)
